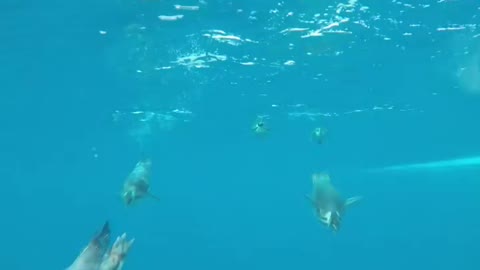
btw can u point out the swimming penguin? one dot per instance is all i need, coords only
(115, 258)
(328, 204)
(318, 135)
(260, 127)
(137, 184)
(92, 255)
(95, 256)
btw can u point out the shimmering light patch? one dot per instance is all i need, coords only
(274, 42)
(314, 115)
(170, 17)
(458, 163)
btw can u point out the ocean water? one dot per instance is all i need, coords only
(88, 88)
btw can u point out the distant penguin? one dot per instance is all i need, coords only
(260, 127)
(319, 134)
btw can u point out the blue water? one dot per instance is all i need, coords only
(231, 200)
